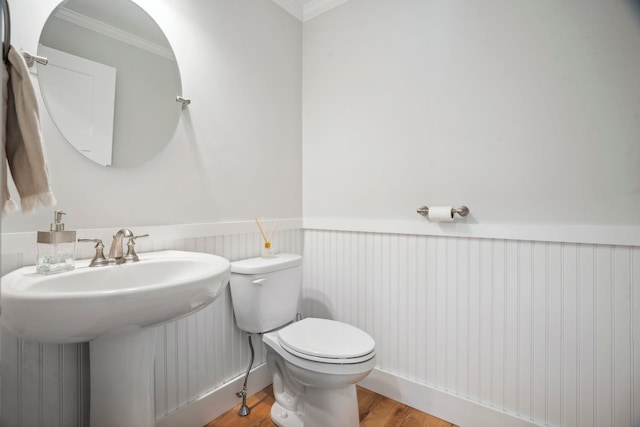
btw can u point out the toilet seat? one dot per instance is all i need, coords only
(327, 341)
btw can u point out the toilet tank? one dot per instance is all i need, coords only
(265, 291)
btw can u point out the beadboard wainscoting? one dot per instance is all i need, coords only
(48, 384)
(513, 332)
(543, 333)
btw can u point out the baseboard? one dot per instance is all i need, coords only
(454, 409)
(218, 401)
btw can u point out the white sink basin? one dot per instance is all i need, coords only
(86, 303)
(114, 308)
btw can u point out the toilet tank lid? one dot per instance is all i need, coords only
(265, 265)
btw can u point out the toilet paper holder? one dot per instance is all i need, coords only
(462, 211)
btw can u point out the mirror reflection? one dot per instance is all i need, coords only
(111, 82)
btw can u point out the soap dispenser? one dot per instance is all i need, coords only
(56, 248)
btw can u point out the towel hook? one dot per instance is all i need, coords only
(185, 101)
(32, 59)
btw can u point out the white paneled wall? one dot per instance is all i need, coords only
(549, 332)
(48, 384)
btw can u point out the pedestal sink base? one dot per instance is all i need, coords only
(114, 308)
(122, 393)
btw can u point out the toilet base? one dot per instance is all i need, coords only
(322, 408)
(285, 418)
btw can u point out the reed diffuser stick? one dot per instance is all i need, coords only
(264, 236)
(273, 230)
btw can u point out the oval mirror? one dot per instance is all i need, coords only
(111, 82)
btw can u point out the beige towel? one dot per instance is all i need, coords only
(22, 145)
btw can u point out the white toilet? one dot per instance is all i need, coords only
(315, 363)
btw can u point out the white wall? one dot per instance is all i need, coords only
(543, 333)
(236, 152)
(236, 155)
(527, 112)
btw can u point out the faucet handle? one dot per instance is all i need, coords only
(98, 259)
(131, 255)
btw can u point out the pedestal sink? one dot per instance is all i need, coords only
(115, 308)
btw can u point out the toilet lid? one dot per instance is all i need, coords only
(326, 339)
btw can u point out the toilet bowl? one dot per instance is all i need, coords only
(322, 360)
(315, 363)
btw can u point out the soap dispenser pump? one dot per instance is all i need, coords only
(56, 248)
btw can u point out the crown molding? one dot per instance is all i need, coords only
(294, 7)
(308, 10)
(112, 32)
(318, 7)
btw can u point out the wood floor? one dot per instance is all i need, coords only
(375, 411)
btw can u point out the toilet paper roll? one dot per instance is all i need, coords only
(441, 214)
